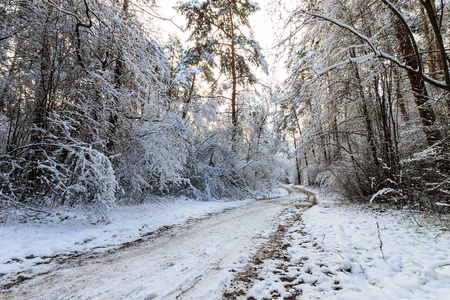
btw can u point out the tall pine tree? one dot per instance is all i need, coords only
(222, 36)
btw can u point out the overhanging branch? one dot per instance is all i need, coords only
(376, 54)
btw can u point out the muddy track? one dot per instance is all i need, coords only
(199, 253)
(275, 250)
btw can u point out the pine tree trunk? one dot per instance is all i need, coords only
(442, 58)
(400, 100)
(431, 55)
(44, 85)
(301, 134)
(418, 87)
(430, 9)
(297, 162)
(384, 120)
(368, 121)
(234, 119)
(119, 68)
(118, 73)
(323, 143)
(189, 99)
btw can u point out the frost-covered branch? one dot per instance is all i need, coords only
(377, 53)
(345, 26)
(10, 35)
(346, 62)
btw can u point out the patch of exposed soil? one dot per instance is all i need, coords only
(274, 249)
(288, 275)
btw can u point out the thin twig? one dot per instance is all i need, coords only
(381, 242)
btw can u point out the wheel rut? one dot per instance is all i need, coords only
(274, 257)
(180, 262)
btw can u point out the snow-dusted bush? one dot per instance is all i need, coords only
(209, 169)
(53, 174)
(153, 159)
(74, 77)
(425, 180)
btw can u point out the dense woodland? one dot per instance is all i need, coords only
(96, 109)
(368, 99)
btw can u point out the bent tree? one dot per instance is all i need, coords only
(222, 36)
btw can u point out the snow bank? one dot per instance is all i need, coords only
(344, 252)
(412, 263)
(273, 193)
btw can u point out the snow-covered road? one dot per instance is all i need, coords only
(267, 249)
(195, 260)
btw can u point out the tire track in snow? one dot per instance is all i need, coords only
(273, 258)
(190, 261)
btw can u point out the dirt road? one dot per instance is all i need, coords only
(196, 260)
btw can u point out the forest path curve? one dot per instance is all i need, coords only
(195, 260)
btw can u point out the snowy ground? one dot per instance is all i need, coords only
(30, 248)
(197, 253)
(334, 252)
(269, 249)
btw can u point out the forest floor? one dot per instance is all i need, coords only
(266, 249)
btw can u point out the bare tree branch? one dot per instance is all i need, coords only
(5, 37)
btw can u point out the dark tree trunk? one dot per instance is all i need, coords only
(418, 87)
(188, 99)
(400, 100)
(368, 121)
(234, 119)
(297, 162)
(301, 134)
(44, 85)
(430, 48)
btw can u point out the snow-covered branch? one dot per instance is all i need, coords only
(345, 26)
(377, 53)
(346, 62)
